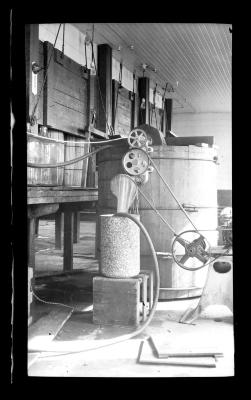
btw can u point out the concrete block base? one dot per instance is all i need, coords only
(124, 301)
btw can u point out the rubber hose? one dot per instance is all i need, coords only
(63, 164)
(155, 301)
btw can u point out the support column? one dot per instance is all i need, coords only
(76, 227)
(105, 82)
(68, 241)
(143, 93)
(58, 229)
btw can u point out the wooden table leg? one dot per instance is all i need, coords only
(68, 240)
(76, 227)
(58, 229)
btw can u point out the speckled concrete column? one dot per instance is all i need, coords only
(119, 247)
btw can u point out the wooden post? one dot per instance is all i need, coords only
(31, 55)
(76, 227)
(31, 244)
(58, 229)
(68, 240)
(143, 92)
(36, 226)
(105, 82)
(168, 115)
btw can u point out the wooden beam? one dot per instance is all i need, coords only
(78, 206)
(31, 55)
(105, 82)
(76, 227)
(58, 229)
(38, 195)
(143, 91)
(68, 241)
(37, 210)
(189, 140)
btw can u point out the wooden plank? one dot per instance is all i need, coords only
(46, 328)
(145, 356)
(155, 116)
(68, 241)
(61, 196)
(189, 140)
(122, 122)
(66, 96)
(105, 82)
(35, 211)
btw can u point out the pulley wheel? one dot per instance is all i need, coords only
(135, 162)
(137, 138)
(191, 250)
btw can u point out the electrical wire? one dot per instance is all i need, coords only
(51, 302)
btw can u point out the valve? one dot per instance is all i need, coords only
(138, 138)
(191, 250)
(135, 161)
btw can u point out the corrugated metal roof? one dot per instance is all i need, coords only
(194, 58)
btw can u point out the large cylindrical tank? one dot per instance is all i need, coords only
(190, 171)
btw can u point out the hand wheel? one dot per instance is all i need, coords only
(191, 250)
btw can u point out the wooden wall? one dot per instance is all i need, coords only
(155, 117)
(64, 108)
(123, 107)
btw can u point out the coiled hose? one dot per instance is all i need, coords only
(61, 347)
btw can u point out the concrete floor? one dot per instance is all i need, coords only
(88, 354)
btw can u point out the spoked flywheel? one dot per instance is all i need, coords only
(191, 250)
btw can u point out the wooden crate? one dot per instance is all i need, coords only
(116, 301)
